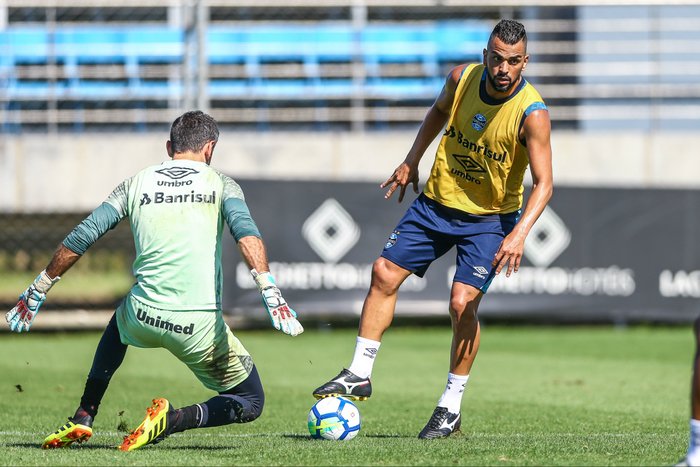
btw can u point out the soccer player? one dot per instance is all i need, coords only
(177, 211)
(692, 457)
(495, 124)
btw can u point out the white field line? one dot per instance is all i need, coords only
(192, 434)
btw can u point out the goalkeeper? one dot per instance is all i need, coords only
(177, 211)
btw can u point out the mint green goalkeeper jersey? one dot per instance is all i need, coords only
(177, 211)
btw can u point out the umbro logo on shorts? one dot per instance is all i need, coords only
(481, 272)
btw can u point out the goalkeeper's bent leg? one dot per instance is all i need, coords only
(108, 358)
(240, 404)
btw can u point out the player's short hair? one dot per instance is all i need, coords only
(510, 32)
(192, 130)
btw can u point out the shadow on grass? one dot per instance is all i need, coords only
(75, 448)
(379, 436)
(109, 447)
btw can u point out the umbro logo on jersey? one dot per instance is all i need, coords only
(176, 173)
(468, 163)
(481, 272)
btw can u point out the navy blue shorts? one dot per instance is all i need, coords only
(428, 230)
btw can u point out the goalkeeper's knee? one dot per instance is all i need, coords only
(249, 411)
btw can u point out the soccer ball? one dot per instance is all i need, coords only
(334, 418)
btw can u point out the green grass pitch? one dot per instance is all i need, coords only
(537, 396)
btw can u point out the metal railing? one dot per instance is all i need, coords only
(364, 65)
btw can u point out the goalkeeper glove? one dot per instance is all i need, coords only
(21, 317)
(282, 316)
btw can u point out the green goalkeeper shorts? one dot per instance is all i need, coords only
(199, 339)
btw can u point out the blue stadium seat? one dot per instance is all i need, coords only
(427, 44)
(26, 45)
(279, 44)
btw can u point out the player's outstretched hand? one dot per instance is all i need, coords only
(282, 316)
(509, 254)
(21, 317)
(402, 176)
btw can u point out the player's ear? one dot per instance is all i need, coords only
(525, 60)
(484, 60)
(169, 148)
(209, 151)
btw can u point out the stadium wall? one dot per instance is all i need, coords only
(617, 243)
(64, 173)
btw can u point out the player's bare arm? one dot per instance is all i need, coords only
(536, 132)
(62, 261)
(21, 317)
(253, 253)
(407, 172)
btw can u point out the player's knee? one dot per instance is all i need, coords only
(384, 279)
(463, 307)
(257, 411)
(257, 407)
(253, 407)
(251, 412)
(247, 399)
(244, 409)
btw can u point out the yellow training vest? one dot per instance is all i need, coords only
(480, 162)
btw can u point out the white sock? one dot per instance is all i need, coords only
(693, 455)
(363, 360)
(452, 397)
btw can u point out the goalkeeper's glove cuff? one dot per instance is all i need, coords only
(44, 282)
(264, 280)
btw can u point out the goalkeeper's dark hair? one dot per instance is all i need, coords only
(192, 130)
(510, 32)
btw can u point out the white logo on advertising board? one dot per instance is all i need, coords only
(331, 231)
(548, 239)
(679, 283)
